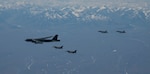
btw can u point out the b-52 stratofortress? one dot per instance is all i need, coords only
(44, 39)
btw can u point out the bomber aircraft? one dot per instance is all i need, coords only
(44, 39)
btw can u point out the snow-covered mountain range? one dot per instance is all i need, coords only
(28, 13)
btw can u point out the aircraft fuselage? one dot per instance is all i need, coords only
(40, 40)
(45, 39)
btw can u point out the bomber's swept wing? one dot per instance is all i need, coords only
(43, 38)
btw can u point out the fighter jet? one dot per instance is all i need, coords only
(44, 39)
(103, 31)
(121, 31)
(74, 51)
(58, 47)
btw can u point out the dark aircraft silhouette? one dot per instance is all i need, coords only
(45, 39)
(121, 31)
(57, 47)
(103, 31)
(75, 51)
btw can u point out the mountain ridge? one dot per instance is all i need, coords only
(33, 14)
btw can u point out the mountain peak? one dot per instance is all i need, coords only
(75, 13)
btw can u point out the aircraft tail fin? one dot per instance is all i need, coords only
(55, 37)
(75, 51)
